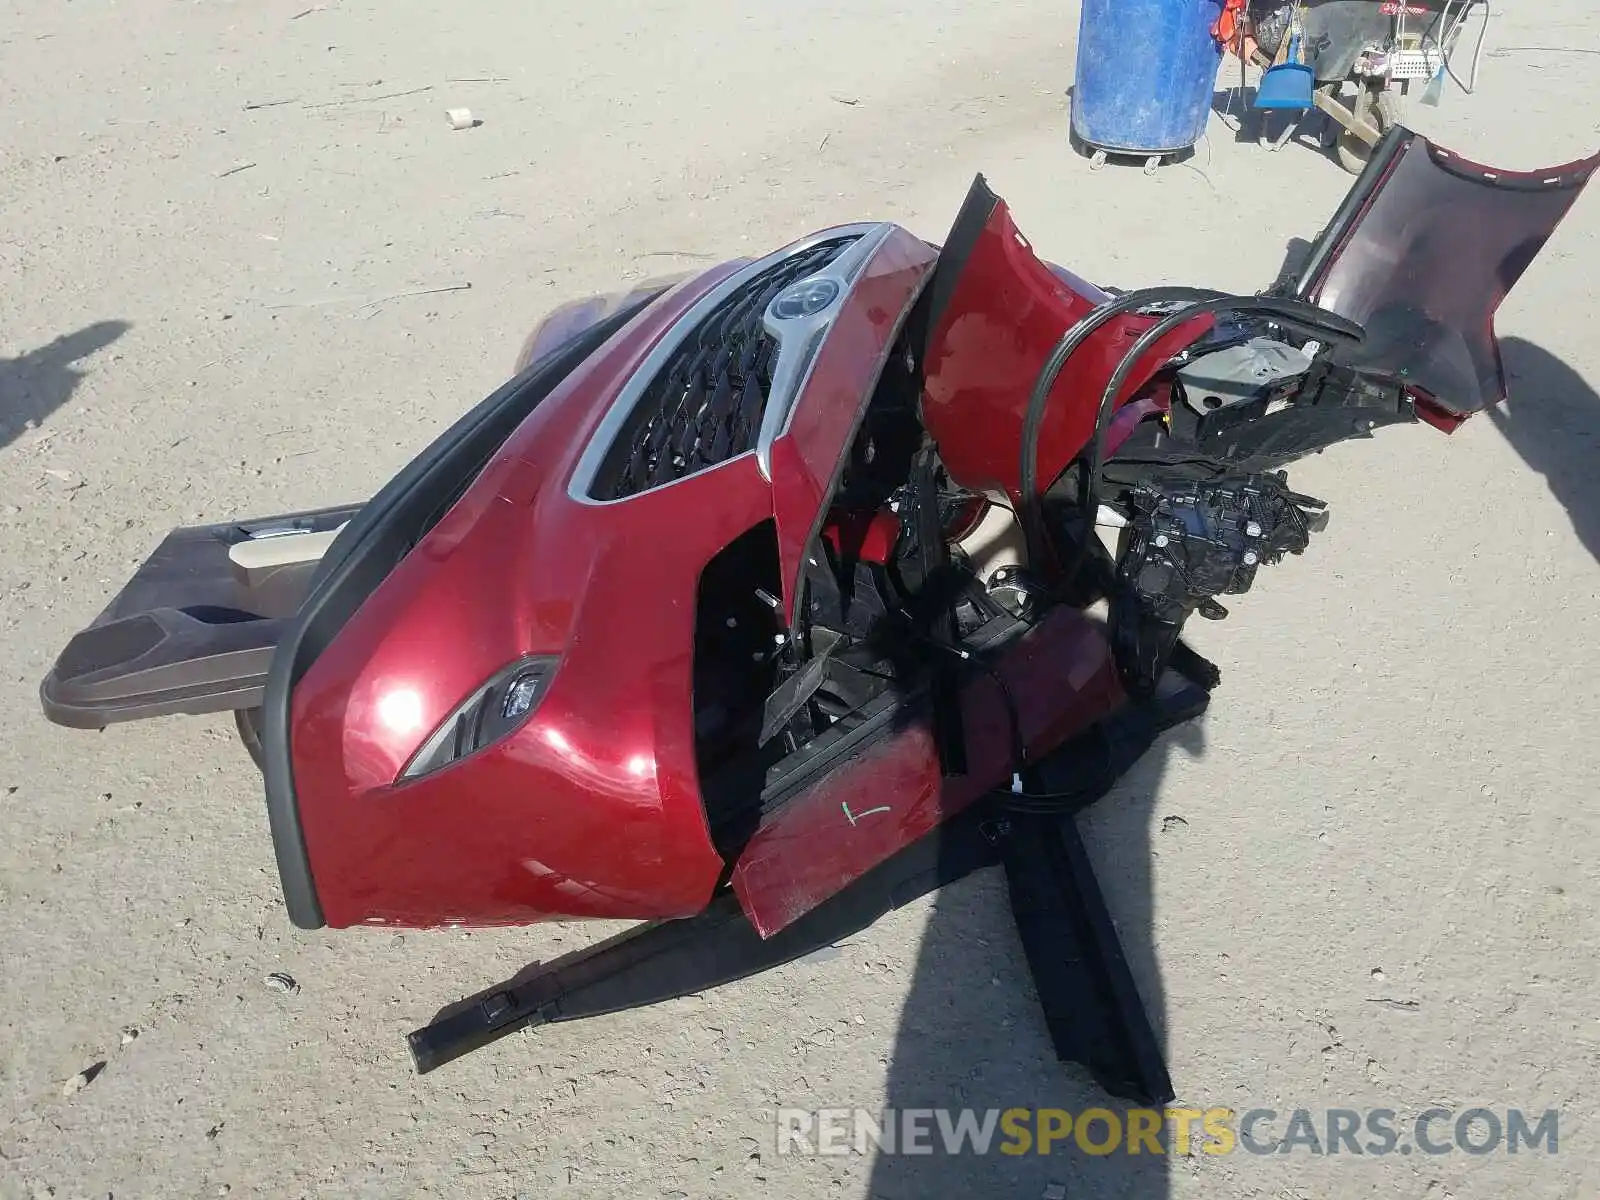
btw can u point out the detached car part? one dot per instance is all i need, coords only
(760, 599)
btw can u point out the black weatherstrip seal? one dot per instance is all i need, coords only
(365, 553)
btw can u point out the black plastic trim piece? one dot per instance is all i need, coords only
(1091, 1005)
(668, 959)
(884, 715)
(707, 402)
(365, 553)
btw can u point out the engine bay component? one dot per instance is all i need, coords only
(1188, 541)
(1239, 373)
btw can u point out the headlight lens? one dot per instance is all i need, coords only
(486, 716)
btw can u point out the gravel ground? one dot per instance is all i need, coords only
(225, 227)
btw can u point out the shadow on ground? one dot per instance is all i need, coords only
(1234, 105)
(34, 385)
(1552, 420)
(1123, 159)
(973, 1035)
(1307, 129)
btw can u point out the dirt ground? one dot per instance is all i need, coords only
(226, 230)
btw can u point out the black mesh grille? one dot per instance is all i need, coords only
(704, 405)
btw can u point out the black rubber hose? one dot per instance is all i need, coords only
(1033, 418)
(1289, 312)
(1296, 314)
(1308, 318)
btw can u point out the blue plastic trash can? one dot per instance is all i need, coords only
(1145, 76)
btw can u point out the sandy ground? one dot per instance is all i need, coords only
(204, 209)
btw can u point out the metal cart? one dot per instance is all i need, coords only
(1366, 55)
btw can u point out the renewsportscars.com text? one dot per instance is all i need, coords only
(1175, 1131)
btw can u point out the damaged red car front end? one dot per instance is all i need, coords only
(571, 557)
(754, 583)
